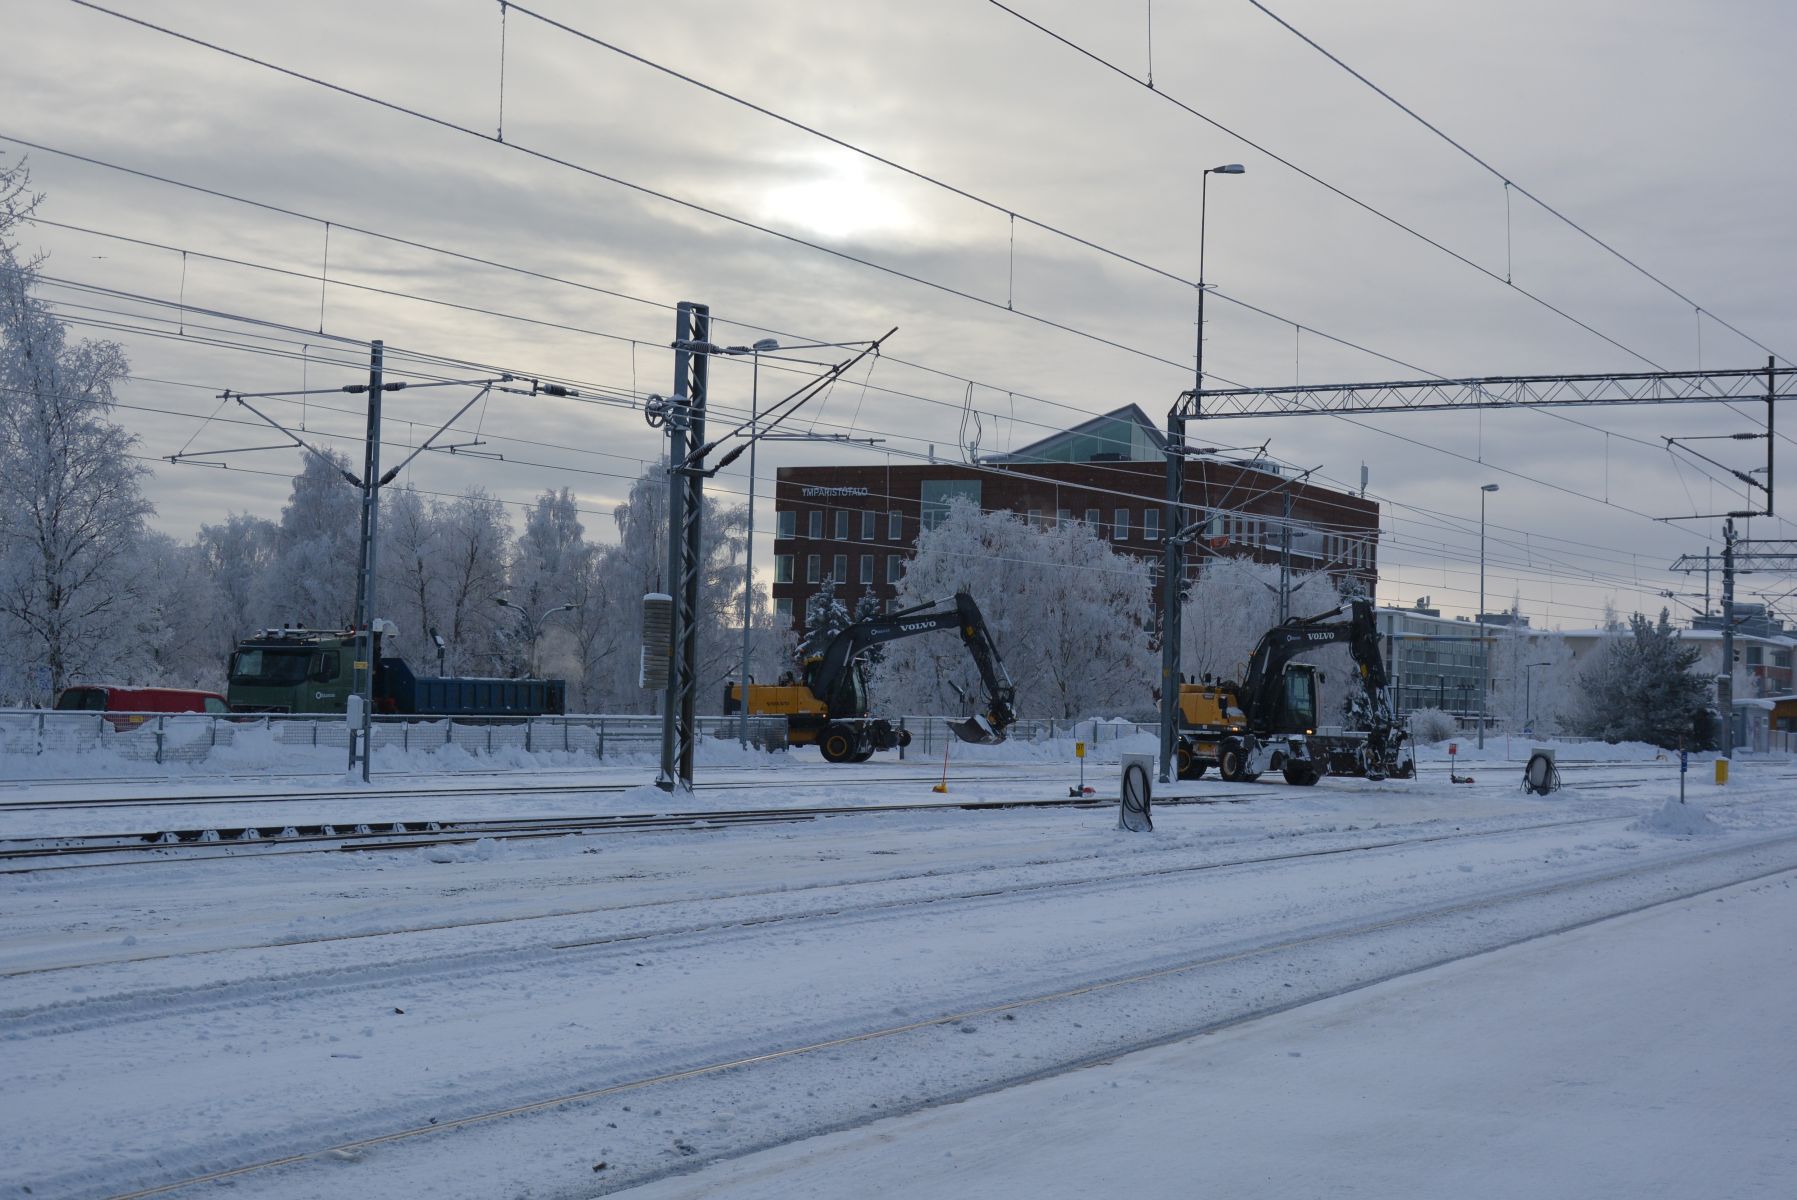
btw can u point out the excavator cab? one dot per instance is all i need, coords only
(1295, 711)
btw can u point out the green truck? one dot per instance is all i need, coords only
(314, 671)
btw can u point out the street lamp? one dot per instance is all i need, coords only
(1173, 554)
(1484, 643)
(1528, 685)
(533, 629)
(765, 344)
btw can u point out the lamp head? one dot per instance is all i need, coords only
(766, 344)
(1490, 487)
(1226, 169)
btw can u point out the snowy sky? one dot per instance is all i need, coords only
(1657, 126)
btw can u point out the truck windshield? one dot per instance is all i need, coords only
(82, 699)
(275, 668)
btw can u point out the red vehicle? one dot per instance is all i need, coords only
(134, 704)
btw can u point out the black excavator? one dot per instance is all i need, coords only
(829, 706)
(1268, 720)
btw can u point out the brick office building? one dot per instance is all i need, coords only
(858, 524)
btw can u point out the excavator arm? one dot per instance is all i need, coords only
(840, 656)
(1279, 645)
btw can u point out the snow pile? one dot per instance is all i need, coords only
(483, 850)
(1677, 819)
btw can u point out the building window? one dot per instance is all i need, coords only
(814, 527)
(1151, 524)
(842, 525)
(786, 524)
(1063, 516)
(1120, 530)
(895, 526)
(895, 567)
(814, 568)
(783, 609)
(1035, 518)
(839, 568)
(867, 568)
(869, 526)
(782, 568)
(937, 494)
(1095, 521)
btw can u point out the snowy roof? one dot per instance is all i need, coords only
(1123, 433)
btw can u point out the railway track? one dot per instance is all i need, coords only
(232, 841)
(983, 892)
(428, 793)
(1405, 942)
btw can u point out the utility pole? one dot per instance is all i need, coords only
(1285, 562)
(365, 662)
(1725, 682)
(686, 496)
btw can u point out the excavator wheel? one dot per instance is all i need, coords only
(1189, 767)
(904, 738)
(1230, 764)
(1300, 774)
(838, 744)
(862, 755)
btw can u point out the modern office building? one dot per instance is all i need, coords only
(858, 524)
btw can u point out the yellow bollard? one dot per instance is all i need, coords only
(1721, 770)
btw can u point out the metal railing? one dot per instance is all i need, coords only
(192, 737)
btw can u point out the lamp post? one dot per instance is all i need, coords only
(533, 629)
(749, 541)
(1528, 691)
(1173, 556)
(1484, 643)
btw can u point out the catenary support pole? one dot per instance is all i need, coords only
(686, 430)
(1725, 681)
(365, 598)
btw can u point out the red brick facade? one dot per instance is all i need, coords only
(860, 523)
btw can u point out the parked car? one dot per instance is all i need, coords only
(135, 705)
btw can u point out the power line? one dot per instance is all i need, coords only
(1507, 181)
(635, 342)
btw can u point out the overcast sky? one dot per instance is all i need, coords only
(1662, 128)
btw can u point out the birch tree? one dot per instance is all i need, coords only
(71, 505)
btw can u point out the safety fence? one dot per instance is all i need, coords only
(194, 737)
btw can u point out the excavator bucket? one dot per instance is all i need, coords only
(977, 730)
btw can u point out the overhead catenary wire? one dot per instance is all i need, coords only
(489, 367)
(1510, 184)
(1378, 431)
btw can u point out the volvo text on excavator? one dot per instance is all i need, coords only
(830, 706)
(1268, 721)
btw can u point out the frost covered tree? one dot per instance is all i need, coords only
(825, 617)
(1641, 687)
(474, 541)
(551, 566)
(176, 619)
(237, 554)
(1534, 684)
(413, 588)
(71, 505)
(1071, 617)
(311, 580)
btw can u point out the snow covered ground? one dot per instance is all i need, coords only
(1403, 988)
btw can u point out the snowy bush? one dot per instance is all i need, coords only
(1432, 725)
